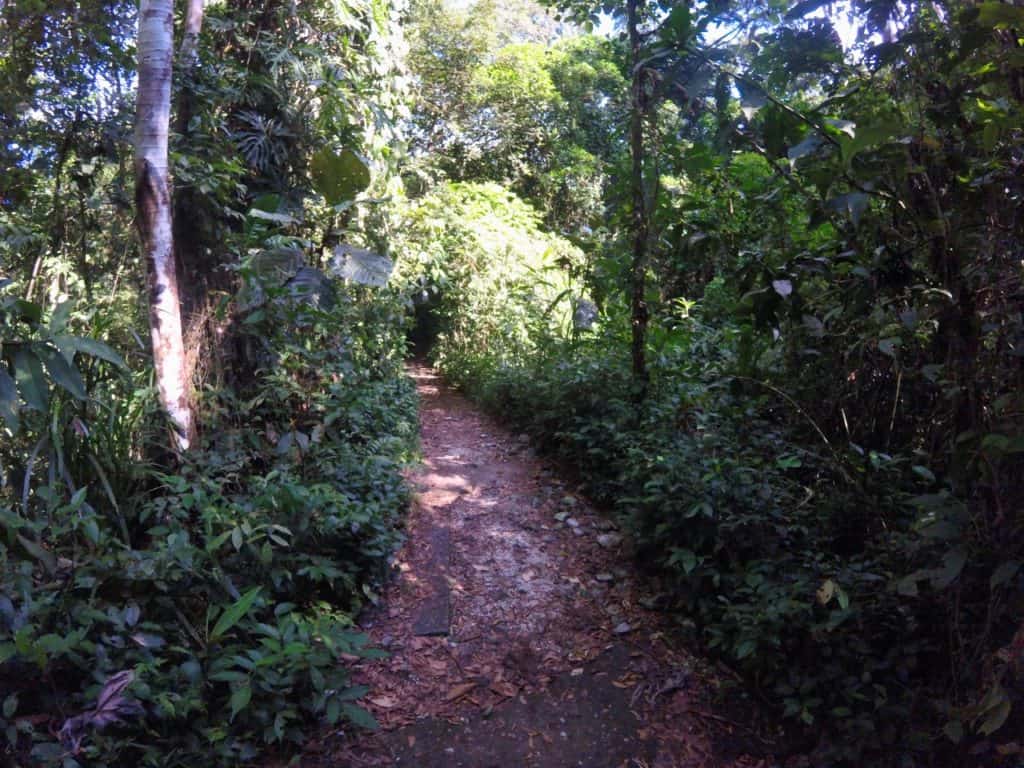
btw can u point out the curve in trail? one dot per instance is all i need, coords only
(516, 632)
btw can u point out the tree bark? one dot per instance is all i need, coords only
(188, 52)
(189, 228)
(153, 214)
(638, 268)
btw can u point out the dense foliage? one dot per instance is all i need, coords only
(822, 462)
(752, 270)
(161, 610)
(475, 262)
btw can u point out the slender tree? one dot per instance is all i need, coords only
(639, 219)
(189, 237)
(189, 50)
(153, 203)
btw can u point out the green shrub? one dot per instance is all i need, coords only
(756, 523)
(223, 593)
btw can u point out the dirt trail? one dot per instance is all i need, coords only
(516, 632)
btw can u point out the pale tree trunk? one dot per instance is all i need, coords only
(153, 204)
(188, 52)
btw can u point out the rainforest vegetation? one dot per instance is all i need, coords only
(750, 269)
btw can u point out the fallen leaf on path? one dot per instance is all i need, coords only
(626, 681)
(504, 688)
(437, 667)
(459, 691)
(384, 702)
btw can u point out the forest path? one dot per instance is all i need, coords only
(516, 633)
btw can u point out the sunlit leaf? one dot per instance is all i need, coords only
(339, 177)
(782, 287)
(805, 147)
(361, 266)
(1000, 15)
(235, 613)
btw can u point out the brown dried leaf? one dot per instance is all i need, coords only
(459, 691)
(384, 702)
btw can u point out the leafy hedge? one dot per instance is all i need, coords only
(201, 616)
(750, 514)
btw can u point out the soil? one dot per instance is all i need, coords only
(518, 630)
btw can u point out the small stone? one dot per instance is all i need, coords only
(609, 540)
(622, 629)
(577, 531)
(604, 524)
(561, 516)
(605, 577)
(572, 522)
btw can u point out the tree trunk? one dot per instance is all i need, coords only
(153, 204)
(638, 268)
(188, 53)
(189, 223)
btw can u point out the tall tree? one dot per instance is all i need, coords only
(188, 237)
(153, 203)
(639, 219)
(635, 14)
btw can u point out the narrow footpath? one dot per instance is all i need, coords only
(516, 631)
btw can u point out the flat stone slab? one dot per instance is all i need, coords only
(434, 617)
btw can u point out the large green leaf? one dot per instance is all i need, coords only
(677, 26)
(852, 204)
(92, 347)
(9, 401)
(810, 144)
(240, 699)
(803, 8)
(360, 717)
(339, 177)
(277, 218)
(752, 98)
(952, 564)
(1002, 15)
(234, 613)
(40, 553)
(27, 311)
(28, 372)
(361, 266)
(61, 315)
(63, 373)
